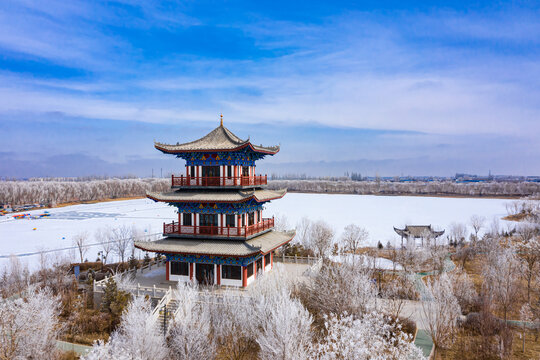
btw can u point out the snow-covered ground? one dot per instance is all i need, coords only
(378, 214)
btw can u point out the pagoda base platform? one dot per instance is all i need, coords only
(218, 262)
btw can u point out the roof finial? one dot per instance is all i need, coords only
(221, 118)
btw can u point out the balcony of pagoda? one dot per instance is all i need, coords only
(225, 232)
(209, 182)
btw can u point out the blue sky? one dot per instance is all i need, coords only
(387, 87)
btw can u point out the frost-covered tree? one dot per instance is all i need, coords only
(189, 337)
(501, 275)
(29, 325)
(339, 289)
(396, 292)
(353, 237)
(440, 311)
(528, 252)
(371, 336)
(283, 330)
(321, 236)
(135, 338)
(463, 288)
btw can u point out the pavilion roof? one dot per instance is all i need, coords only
(229, 196)
(259, 245)
(418, 231)
(219, 139)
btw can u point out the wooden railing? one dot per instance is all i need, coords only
(228, 231)
(255, 180)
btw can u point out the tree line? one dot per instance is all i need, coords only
(446, 188)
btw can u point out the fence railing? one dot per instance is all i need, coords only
(254, 180)
(309, 260)
(228, 231)
(154, 316)
(99, 286)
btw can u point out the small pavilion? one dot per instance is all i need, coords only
(418, 232)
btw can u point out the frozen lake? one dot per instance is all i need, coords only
(378, 214)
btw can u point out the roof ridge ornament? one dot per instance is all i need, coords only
(221, 119)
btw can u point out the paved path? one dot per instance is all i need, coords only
(77, 348)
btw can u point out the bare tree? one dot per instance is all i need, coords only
(80, 240)
(441, 312)
(477, 223)
(104, 238)
(321, 236)
(122, 240)
(302, 231)
(353, 237)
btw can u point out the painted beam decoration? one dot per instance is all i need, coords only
(244, 157)
(219, 208)
(210, 259)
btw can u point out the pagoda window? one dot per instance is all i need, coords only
(232, 272)
(179, 268)
(229, 171)
(187, 219)
(245, 170)
(250, 270)
(229, 220)
(192, 171)
(251, 218)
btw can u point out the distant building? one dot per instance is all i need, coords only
(221, 237)
(418, 232)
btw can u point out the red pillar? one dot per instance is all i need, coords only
(167, 271)
(244, 276)
(190, 271)
(264, 262)
(218, 269)
(197, 173)
(271, 260)
(254, 270)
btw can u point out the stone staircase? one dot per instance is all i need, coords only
(166, 316)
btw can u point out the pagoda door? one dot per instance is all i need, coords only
(210, 175)
(209, 224)
(204, 273)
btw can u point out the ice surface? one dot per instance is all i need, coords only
(378, 214)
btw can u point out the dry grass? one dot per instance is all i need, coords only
(532, 348)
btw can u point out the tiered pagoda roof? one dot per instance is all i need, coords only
(226, 196)
(219, 139)
(418, 231)
(258, 245)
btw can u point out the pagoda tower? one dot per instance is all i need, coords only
(221, 236)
